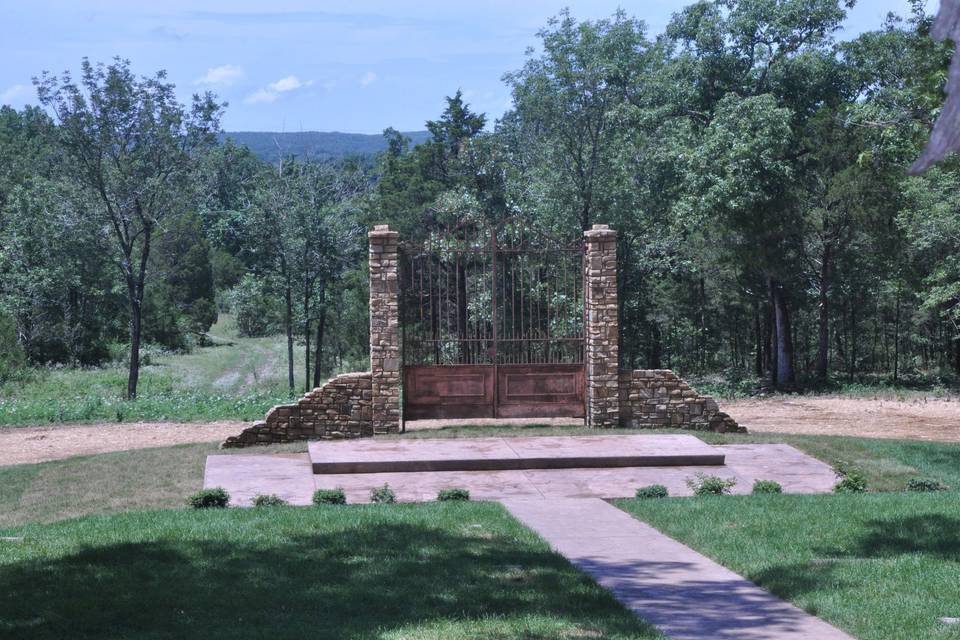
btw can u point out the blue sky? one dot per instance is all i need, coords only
(297, 65)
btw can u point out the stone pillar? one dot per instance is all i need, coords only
(602, 337)
(384, 331)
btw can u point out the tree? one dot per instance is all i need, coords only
(564, 100)
(131, 147)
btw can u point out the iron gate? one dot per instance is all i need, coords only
(492, 324)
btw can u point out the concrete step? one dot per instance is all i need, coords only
(512, 453)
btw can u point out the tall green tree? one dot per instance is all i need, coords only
(131, 146)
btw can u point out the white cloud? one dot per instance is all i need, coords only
(16, 91)
(288, 84)
(368, 78)
(272, 91)
(224, 75)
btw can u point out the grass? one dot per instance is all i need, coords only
(887, 464)
(880, 566)
(162, 477)
(448, 571)
(232, 379)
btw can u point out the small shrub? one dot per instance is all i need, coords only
(329, 496)
(271, 500)
(925, 485)
(767, 486)
(710, 485)
(652, 491)
(383, 495)
(453, 495)
(853, 481)
(216, 498)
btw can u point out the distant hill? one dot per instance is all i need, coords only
(315, 145)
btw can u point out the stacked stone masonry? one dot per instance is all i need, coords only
(341, 408)
(659, 399)
(384, 329)
(601, 339)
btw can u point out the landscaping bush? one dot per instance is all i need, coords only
(710, 485)
(924, 485)
(216, 498)
(767, 486)
(383, 495)
(271, 500)
(453, 495)
(652, 491)
(853, 481)
(329, 496)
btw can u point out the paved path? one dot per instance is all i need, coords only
(685, 594)
(244, 476)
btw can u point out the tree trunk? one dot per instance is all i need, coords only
(136, 325)
(288, 302)
(896, 338)
(758, 331)
(321, 329)
(853, 341)
(784, 370)
(823, 355)
(956, 354)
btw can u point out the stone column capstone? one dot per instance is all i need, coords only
(384, 330)
(602, 336)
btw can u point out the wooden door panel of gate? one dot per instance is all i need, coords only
(448, 391)
(540, 391)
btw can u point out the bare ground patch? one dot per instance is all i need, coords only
(25, 445)
(912, 419)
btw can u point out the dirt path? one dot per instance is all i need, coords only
(826, 415)
(23, 445)
(919, 419)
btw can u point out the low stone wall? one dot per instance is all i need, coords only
(341, 408)
(659, 399)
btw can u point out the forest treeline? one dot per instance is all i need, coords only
(754, 166)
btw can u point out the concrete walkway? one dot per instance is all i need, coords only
(685, 594)
(290, 476)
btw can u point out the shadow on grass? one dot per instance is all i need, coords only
(357, 582)
(931, 534)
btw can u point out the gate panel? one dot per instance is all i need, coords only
(449, 391)
(540, 391)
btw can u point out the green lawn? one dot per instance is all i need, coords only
(161, 478)
(880, 566)
(432, 571)
(233, 379)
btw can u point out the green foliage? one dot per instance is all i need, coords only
(215, 498)
(269, 500)
(767, 486)
(652, 491)
(454, 494)
(329, 496)
(924, 485)
(12, 357)
(704, 485)
(853, 481)
(273, 146)
(383, 495)
(255, 310)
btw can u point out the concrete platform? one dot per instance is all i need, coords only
(244, 476)
(511, 454)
